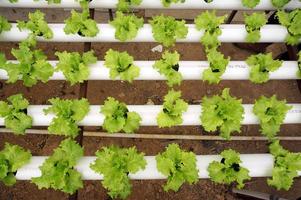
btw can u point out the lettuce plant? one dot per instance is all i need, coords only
(118, 117)
(4, 24)
(217, 66)
(74, 66)
(229, 169)
(210, 23)
(126, 26)
(167, 29)
(124, 5)
(115, 164)
(37, 25)
(121, 64)
(32, 64)
(250, 3)
(167, 3)
(178, 165)
(286, 166)
(168, 66)
(12, 157)
(173, 108)
(254, 22)
(15, 115)
(223, 113)
(68, 114)
(58, 170)
(292, 21)
(280, 3)
(271, 113)
(261, 65)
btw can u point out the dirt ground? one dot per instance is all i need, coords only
(141, 92)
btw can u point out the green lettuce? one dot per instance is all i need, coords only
(280, 3)
(254, 22)
(124, 5)
(4, 24)
(167, 3)
(250, 3)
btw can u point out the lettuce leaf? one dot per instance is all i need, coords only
(228, 170)
(15, 114)
(115, 164)
(223, 113)
(58, 170)
(250, 3)
(178, 165)
(121, 64)
(12, 157)
(253, 24)
(271, 113)
(167, 3)
(123, 5)
(280, 3)
(68, 114)
(168, 66)
(118, 117)
(4, 24)
(173, 108)
(167, 29)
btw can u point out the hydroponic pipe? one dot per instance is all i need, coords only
(230, 33)
(152, 4)
(190, 70)
(149, 113)
(259, 165)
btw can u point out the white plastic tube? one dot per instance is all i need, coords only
(230, 33)
(152, 4)
(149, 113)
(190, 70)
(259, 165)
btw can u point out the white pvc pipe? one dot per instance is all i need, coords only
(149, 114)
(230, 33)
(152, 4)
(190, 70)
(259, 165)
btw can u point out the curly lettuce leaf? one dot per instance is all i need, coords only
(280, 3)
(250, 3)
(37, 25)
(261, 65)
(271, 113)
(124, 5)
(168, 66)
(74, 66)
(253, 24)
(4, 24)
(118, 117)
(167, 29)
(15, 114)
(178, 165)
(121, 64)
(228, 170)
(167, 3)
(58, 170)
(126, 26)
(115, 164)
(68, 114)
(223, 113)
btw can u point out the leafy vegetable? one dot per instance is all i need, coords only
(37, 25)
(168, 65)
(167, 29)
(224, 113)
(121, 64)
(126, 26)
(210, 23)
(279, 3)
(15, 114)
(74, 66)
(68, 114)
(115, 164)
(166, 3)
(81, 24)
(261, 65)
(58, 170)
(228, 170)
(12, 157)
(4, 24)
(179, 166)
(32, 67)
(250, 3)
(254, 22)
(173, 108)
(292, 21)
(286, 166)
(217, 66)
(118, 117)
(53, 1)
(271, 113)
(123, 5)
